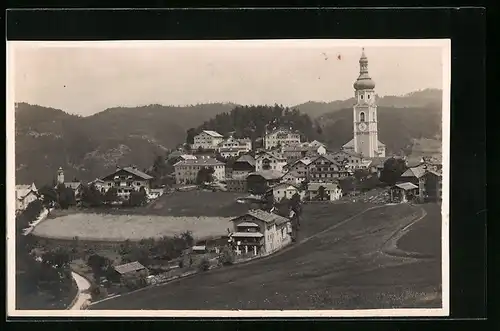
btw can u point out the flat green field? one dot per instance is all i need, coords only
(206, 214)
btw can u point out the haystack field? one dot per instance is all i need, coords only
(107, 227)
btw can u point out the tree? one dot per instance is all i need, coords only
(190, 136)
(268, 201)
(91, 196)
(226, 256)
(138, 198)
(58, 258)
(204, 264)
(111, 195)
(392, 171)
(187, 236)
(49, 195)
(99, 265)
(295, 204)
(205, 175)
(321, 193)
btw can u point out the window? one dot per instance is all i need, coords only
(361, 96)
(362, 116)
(368, 96)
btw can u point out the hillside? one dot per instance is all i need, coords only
(398, 127)
(418, 99)
(88, 147)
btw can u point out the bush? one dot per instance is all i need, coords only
(204, 265)
(226, 257)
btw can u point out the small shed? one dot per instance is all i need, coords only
(132, 268)
(403, 192)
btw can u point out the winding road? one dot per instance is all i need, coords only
(339, 263)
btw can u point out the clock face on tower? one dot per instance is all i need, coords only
(362, 127)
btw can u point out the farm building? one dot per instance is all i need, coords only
(244, 165)
(25, 194)
(285, 190)
(428, 182)
(259, 232)
(403, 192)
(127, 180)
(132, 269)
(236, 184)
(259, 182)
(331, 191)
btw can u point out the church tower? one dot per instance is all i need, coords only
(60, 176)
(365, 119)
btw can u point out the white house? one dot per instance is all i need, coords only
(244, 145)
(260, 233)
(285, 190)
(127, 180)
(332, 191)
(315, 146)
(207, 140)
(293, 178)
(270, 161)
(186, 171)
(25, 194)
(281, 137)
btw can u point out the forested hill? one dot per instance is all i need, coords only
(251, 121)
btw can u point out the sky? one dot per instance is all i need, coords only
(86, 78)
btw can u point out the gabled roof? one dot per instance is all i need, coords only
(137, 172)
(416, 172)
(247, 158)
(24, 190)
(248, 224)
(272, 154)
(406, 186)
(266, 217)
(286, 185)
(328, 157)
(349, 144)
(268, 174)
(73, 185)
(381, 144)
(213, 134)
(129, 267)
(200, 162)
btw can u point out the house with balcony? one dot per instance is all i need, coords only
(207, 139)
(326, 169)
(281, 137)
(299, 168)
(270, 161)
(285, 191)
(232, 147)
(25, 194)
(127, 180)
(186, 171)
(260, 233)
(351, 160)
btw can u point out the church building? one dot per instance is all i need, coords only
(365, 141)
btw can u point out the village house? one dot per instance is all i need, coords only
(270, 161)
(244, 165)
(127, 180)
(351, 160)
(281, 137)
(403, 192)
(293, 178)
(260, 181)
(260, 233)
(299, 168)
(325, 168)
(376, 165)
(155, 193)
(236, 183)
(332, 191)
(25, 194)
(207, 140)
(285, 191)
(315, 147)
(98, 184)
(186, 171)
(232, 147)
(428, 182)
(132, 270)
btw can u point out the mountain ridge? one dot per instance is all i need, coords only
(88, 147)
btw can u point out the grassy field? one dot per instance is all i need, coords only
(206, 214)
(338, 263)
(428, 228)
(133, 227)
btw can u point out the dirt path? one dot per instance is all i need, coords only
(83, 295)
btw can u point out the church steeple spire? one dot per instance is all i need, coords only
(364, 82)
